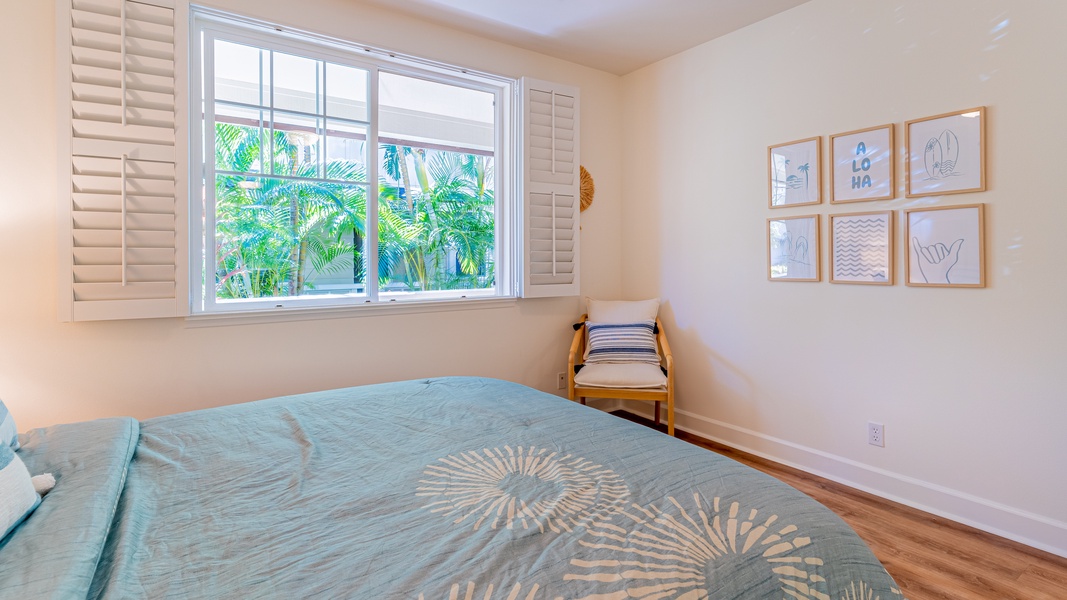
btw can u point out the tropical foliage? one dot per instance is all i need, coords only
(292, 232)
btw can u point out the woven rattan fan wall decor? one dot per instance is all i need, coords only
(588, 188)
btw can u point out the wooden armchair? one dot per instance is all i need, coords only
(627, 381)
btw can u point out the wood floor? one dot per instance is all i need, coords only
(930, 557)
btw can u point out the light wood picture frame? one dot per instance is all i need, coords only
(944, 246)
(946, 153)
(862, 165)
(861, 248)
(793, 248)
(794, 173)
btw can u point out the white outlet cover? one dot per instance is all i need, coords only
(876, 434)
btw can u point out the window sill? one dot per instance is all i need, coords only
(275, 315)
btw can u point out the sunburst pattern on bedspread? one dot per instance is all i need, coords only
(524, 487)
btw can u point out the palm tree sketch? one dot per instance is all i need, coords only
(791, 181)
(794, 170)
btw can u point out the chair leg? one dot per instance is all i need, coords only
(656, 416)
(670, 413)
(582, 400)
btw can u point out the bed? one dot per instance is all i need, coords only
(450, 488)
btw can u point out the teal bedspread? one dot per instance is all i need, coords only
(54, 553)
(459, 488)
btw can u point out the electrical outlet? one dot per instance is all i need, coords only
(875, 434)
(561, 380)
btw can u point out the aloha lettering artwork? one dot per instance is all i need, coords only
(863, 165)
(864, 180)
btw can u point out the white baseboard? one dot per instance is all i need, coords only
(1015, 524)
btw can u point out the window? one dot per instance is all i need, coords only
(330, 178)
(294, 170)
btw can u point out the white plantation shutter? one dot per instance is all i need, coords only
(551, 189)
(122, 192)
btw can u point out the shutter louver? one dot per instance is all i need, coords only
(122, 160)
(551, 189)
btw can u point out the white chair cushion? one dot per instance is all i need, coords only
(634, 375)
(622, 311)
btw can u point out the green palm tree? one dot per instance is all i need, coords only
(275, 235)
(271, 231)
(453, 211)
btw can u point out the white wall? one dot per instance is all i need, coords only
(968, 382)
(53, 372)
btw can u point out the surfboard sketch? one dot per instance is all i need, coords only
(861, 248)
(942, 155)
(946, 154)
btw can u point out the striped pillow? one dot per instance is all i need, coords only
(9, 434)
(17, 496)
(621, 342)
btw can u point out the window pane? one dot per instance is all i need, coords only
(239, 136)
(297, 83)
(297, 145)
(346, 146)
(237, 73)
(282, 238)
(346, 92)
(436, 209)
(436, 219)
(435, 114)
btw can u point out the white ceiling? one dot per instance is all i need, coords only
(617, 36)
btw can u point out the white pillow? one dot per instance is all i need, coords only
(621, 343)
(17, 496)
(9, 434)
(622, 311)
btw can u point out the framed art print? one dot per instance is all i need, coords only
(861, 248)
(946, 153)
(861, 164)
(793, 173)
(945, 246)
(793, 248)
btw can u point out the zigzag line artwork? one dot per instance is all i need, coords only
(861, 248)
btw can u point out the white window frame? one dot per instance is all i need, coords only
(207, 25)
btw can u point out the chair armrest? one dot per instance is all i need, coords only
(664, 347)
(577, 348)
